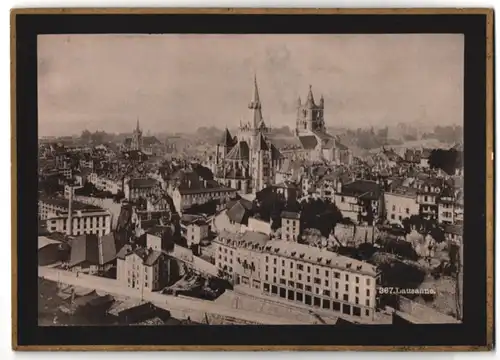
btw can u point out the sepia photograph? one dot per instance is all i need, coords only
(250, 179)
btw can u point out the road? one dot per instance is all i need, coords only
(173, 303)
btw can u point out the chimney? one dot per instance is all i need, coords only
(69, 231)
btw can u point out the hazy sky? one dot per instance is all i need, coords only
(180, 82)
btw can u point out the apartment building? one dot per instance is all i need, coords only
(86, 221)
(290, 225)
(299, 273)
(401, 203)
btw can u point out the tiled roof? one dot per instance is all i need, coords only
(240, 152)
(367, 189)
(275, 153)
(261, 143)
(319, 256)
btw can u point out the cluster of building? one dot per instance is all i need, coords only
(172, 210)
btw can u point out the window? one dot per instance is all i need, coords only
(274, 261)
(327, 273)
(317, 301)
(336, 275)
(356, 299)
(283, 272)
(317, 271)
(336, 284)
(357, 289)
(299, 276)
(367, 281)
(346, 309)
(393, 216)
(367, 302)
(316, 290)
(367, 312)
(326, 282)
(266, 287)
(308, 269)
(267, 258)
(267, 277)
(274, 270)
(274, 289)
(326, 292)
(356, 311)
(367, 292)
(291, 265)
(267, 268)
(308, 299)
(346, 277)
(291, 295)
(346, 287)
(308, 279)
(393, 207)
(274, 279)
(407, 210)
(308, 288)
(336, 306)
(300, 266)
(299, 297)
(291, 283)
(282, 292)
(282, 262)
(299, 286)
(357, 279)
(317, 280)
(283, 281)
(346, 297)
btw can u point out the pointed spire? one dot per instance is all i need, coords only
(137, 127)
(299, 101)
(310, 97)
(256, 106)
(226, 139)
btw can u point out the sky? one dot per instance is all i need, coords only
(177, 83)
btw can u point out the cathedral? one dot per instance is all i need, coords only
(248, 162)
(315, 144)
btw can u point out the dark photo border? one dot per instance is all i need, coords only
(477, 330)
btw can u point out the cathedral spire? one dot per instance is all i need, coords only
(310, 97)
(138, 129)
(255, 105)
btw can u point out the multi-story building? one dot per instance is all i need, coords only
(143, 269)
(290, 225)
(429, 191)
(196, 231)
(299, 273)
(87, 221)
(360, 200)
(92, 254)
(186, 197)
(401, 203)
(140, 188)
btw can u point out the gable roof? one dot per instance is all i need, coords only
(238, 213)
(226, 139)
(308, 142)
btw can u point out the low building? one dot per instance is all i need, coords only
(50, 206)
(92, 254)
(184, 198)
(290, 225)
(197, 231)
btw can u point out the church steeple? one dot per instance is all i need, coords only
(256, 106)
(137, 128)
(310, 97)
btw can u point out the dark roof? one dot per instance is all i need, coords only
(308, 142)
(152, 257)
(290, 215)
(362, 188)
(89, 248)
(226, 139)
(275, 153)
(150, 140)
(261, 143)
(143, 183)
(453, 229)
(64, 203)
(255, 237)
(84, 248)
(240, 152)
(238, 213)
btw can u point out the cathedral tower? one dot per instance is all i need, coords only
(309, 115)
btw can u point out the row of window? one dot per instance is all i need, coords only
(317, 281)
(318, 302)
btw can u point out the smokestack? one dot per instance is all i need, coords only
(70, 212)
